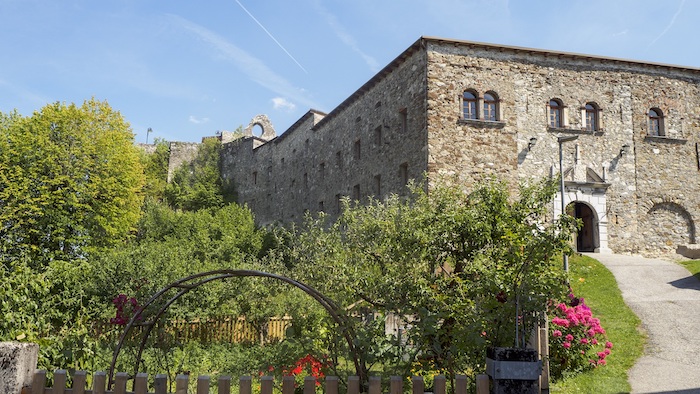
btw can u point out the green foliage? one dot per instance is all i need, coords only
(198, 185)
(155, 167)
(171, 245)
(21, 294)
(70, 182)
(460, 268)
(621, 324)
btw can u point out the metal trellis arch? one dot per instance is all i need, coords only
(193, 281)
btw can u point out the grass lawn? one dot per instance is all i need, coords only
(592, 281)
(693, 266)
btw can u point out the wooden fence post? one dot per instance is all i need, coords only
(266, 385)
(395, 385)
(418, 385)
(203, 384)
(461, 384)
(353, 384)
(375, 385)
(181, 382)
(224, 385)
(99, 381)
(482, 384)
(439, 384)
(59, 381)
(79, 379)
(309, 385)
(245, 383)
(141, 383)
(38, 382)
(332, 385)
(544, 356)
(120, 382)
(288, 384)
(160, 384)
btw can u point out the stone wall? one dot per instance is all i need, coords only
(407, 121)
(17, 365)
(653, 168)
(367, 147)
(181, 153)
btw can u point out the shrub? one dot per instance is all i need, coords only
(577, 340)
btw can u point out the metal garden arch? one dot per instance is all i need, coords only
(191, 282)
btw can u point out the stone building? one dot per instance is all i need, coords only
(468, 110)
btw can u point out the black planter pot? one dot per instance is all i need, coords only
(513, 370)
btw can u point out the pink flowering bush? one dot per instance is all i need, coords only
(577, 341)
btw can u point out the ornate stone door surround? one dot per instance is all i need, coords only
(593, 195)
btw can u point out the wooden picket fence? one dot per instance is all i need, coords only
(225, 329)
(160, 384)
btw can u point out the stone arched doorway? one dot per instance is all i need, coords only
(587, 239)
(589, 205)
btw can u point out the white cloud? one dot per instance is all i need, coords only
(283, 103)
(195, 120)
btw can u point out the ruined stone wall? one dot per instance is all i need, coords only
(367, 147)
(654, 172)
(181, 153)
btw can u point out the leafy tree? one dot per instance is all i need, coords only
(170, 245)
(198, 184)
(466, 271)
(70, 182)
(155, 166)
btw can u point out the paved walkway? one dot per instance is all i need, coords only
(667, 299)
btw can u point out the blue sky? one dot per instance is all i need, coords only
(189, 68)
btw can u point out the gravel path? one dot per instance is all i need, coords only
(667, 299)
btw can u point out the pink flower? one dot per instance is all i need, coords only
(566, 345)
(606, 351)
(584, 341)
(556, 333)
(602, 362)
(601, 355)
(569, 337)
(594, 341)
(608, 345)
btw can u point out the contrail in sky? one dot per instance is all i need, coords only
(673, 20)
(271, 36)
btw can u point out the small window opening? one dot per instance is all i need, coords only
(378, 136)
(403, 174)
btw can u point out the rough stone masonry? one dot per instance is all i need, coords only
(466, 110)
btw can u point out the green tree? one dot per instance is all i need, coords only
(155, 166)
(464, 270)
(171, 245)
(198, 184)
(70, 182)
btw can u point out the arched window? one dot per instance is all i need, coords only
(556, 112)
(469, 100)
(592, 122)
(656, 124)
(490, 106)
